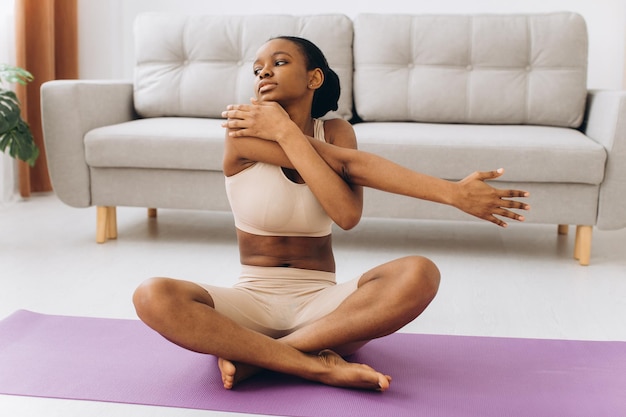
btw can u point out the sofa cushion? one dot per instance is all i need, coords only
(196, 65)
(527, 153)
(159, 142)
(492, 69)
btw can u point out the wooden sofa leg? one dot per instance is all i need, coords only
(582, 244)
(111, 223)
(152, 213)
(563, 229)
(106, 223)
(101, 224)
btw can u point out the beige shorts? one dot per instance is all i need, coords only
(276, 301)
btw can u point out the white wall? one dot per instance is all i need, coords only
(106, 41)
(8, 189)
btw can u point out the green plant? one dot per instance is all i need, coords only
(15, 135)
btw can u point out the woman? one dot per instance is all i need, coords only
(289, 176)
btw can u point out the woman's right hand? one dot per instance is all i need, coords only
(264, 120)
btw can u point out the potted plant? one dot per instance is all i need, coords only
(15, 135)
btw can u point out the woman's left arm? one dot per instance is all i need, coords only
(471, 195)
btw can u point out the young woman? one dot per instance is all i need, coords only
(289, 176)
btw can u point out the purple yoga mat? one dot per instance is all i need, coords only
(433, 375)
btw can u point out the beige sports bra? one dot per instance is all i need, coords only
(265, 202)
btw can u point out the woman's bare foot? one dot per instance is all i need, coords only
(337, 372)
(232, 374)
(351, 375)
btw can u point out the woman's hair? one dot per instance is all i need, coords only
(326, 97)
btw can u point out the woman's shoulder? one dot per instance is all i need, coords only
(339, 132)
(336, 122)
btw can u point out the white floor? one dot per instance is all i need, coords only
(515, 282)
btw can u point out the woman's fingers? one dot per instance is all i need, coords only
(514, 204)
(489, 175)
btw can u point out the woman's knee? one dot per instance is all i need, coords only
(424, 274)
(149, 295)
(158, 297)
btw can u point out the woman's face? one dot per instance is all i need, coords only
(280, 72)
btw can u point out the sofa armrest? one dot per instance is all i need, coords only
(69, 109)
(605, 122)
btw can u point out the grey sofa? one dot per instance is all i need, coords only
(442, 94)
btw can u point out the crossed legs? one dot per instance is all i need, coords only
(388, 297)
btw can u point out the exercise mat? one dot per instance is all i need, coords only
(123, 361)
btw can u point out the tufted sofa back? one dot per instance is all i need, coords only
(491, 69)
(194, 66)
(484, 69)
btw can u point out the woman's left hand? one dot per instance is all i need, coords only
(264, 120)
(484, 201)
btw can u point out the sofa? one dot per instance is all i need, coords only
(442, 94)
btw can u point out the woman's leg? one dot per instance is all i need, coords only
(183, 313)
(388, 297)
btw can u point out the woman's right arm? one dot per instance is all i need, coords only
(342, 200)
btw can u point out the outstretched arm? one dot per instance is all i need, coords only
(472, 195)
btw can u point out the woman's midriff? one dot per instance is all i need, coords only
(286, 251)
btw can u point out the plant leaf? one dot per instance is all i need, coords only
(13, 74)
(9, 110)
(15, 135)
(20, 143)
